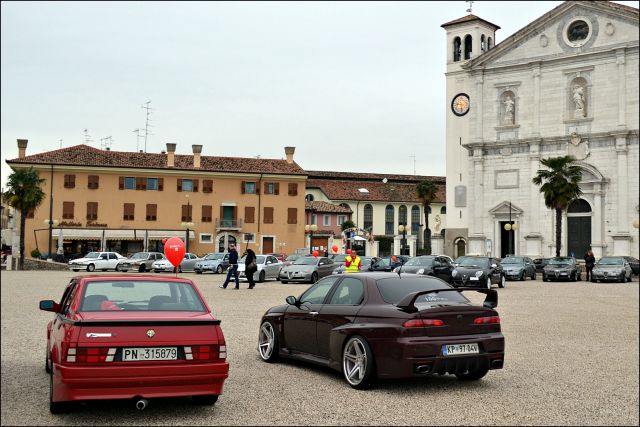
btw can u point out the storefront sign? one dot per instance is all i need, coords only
(95, 224)
(70, 224)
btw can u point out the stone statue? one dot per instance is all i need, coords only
(508, 117)
(578, 100)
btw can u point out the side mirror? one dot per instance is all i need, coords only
(291, 300)
(49, 305)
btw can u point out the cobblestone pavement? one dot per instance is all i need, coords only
(571, 359)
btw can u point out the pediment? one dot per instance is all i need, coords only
(610, 25)
(503, 209)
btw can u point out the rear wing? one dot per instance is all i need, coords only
(408, 303)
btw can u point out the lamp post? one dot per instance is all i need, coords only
(310, 229)
(51, 223)
(511, 227)
(402, 228)
(187, 224)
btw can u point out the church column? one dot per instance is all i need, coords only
(477, 106)
(622, 101)
(597, 220)
(476, 232)
(622, 190)
(536, 99)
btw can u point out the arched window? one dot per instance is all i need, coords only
(489, 43)
(388, 220)
(415, 220)
(461, 247)
(309, 198)
(456, 49)
(579, 206)
(443, 210)
(368, 217)
(402, 215)
(345, 205)
(467, 46)
(483, 46)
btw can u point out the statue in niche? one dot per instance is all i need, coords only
(509, 107)
(579, 101)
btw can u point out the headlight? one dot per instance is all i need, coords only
(421, 271)
(478, 273)
(617, 271)
(454, 273)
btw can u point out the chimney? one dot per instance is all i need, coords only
(22, 148)
(197, 149)
(171, 151)
(289, 152)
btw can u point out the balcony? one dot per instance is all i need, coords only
(228, 224)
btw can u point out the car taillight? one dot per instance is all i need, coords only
(205, 352)
(422, 323)
(90, 354)
(486, 320)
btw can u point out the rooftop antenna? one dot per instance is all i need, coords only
(105, 143)
(137, 132)
(60, 141)
(87, 137)
(146, 125)
(414, 163)
(470, 5)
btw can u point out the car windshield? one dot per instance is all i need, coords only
(214, 256)
(420, 261)
(340, 258)
(513, 260)
(292, 257)
(306, 261)
(140, 295)
(394, 289)
(383, 262)
(92, 255)
(473, 262)
(610, 261)
(561, 261)
(140, 255)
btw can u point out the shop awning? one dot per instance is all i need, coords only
(97, 234)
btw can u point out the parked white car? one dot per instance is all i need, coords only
(96, 261)
(268, 268)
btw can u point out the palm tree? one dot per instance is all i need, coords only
(560, 186)
(24, 194)
(426, 191)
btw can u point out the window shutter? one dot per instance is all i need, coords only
(160, 184)
(268, 215)
(257, 189)
(249, 214)
(179, 184)
(293, 189)
(195, 185)
(206, 213)
(242, 186)
(139, 183)
(207, 186)
(276, 190)
(67, 210)
(266, 188)
(121, 184)
(292, 216)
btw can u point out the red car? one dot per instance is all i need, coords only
(120, 337)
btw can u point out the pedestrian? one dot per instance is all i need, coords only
(251, 266)
(589, 261)
(352, 262)
(233, 268)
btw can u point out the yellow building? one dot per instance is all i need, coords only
(129, 202)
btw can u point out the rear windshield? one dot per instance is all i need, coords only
(140, 295)
(394, 289)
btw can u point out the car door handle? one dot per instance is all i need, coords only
(313, 313)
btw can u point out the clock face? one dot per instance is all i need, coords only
(460, 104)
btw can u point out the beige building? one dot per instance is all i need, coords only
(129, 202)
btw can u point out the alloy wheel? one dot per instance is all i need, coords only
(488, 282)
(266, 341)
(354, 362)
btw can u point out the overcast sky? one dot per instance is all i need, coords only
(355, 87)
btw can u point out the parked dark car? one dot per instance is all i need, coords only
(383, 325)
(518, 268)
(634, 264)
(478, 271)
(562, 268)
(429, 265)
(540, 263)
(611, 269)
(389, 263)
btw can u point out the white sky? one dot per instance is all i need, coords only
(354, 86)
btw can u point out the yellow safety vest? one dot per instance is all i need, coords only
(353, 267)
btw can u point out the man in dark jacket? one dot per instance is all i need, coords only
(233, 267)
(589, 261)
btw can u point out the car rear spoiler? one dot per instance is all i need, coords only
(142, 322)
(408, 303)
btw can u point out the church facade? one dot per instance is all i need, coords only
(566, 84)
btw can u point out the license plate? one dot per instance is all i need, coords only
(455, 349)
(473, 278)
(149, 353)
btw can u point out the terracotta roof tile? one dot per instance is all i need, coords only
(378, 191)
(325, 207)
(84, 155)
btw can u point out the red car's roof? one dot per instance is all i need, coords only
(128, 277)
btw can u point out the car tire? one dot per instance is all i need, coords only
(198, 271)
(268, 342)
(488, 282)
(503, 281)
(629, 279)
(533, 276)
(579, 277)
(573, 277)
(622, 278)
(473, 375)
(179, 269)
(261, 277)
(219, 269)
(75, 269)
(207, 399)
(47, 367)
(57, 407)
(91, 268)
(544, 278)
(358, 364)
(314, 277)
(523, 277)
(142, 269)
(284, 281)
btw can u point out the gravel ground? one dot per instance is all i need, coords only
(571, 359)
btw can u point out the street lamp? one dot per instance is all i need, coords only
(187, 224)
(511, 227)
(402, 228)
(310, 229)
(51, 223)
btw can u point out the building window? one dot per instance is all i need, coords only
(326, 220)
(415, 220)
(248, 187)
(152, 212)
(467, 46)
(443, 210)
(129, 209)
(186, 213)
(388, 220)
(293, 189)
(207, 186)
(67, 210)
(402, 215)
(489, 43)
(249, 214)
(129, 183)
(206, 238)
(456, 49)
(93, 182)
(483, 46)
(342, 219)
(152, 184)
(69, 181)
(92, 211)
(292, 216)
(272, 188)
(206, 213)
(186, 185)
(268, 215)
(309, 198)
(314, 219)
(368, 217)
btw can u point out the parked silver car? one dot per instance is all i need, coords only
(188, 263)
(518, 268)
(307, 269)
(140, 261)
(611, 269)
(213, 262)
(268, 268)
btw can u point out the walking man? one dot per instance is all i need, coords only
(233, 268)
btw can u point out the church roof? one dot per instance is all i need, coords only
(468, 18)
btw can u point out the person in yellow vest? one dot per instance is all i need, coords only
(352, 262)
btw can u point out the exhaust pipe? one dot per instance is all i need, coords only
(142, 404)
(423, 369)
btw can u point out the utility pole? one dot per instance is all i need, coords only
(414, 163)
(146, 125)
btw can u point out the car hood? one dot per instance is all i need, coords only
(79, 260)
(468, 270)
(608, 267)
(299, 268)
(511, 267)
(558, 267)
(415, 268)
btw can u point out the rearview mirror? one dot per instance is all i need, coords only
(291, 300)
(48, 305)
